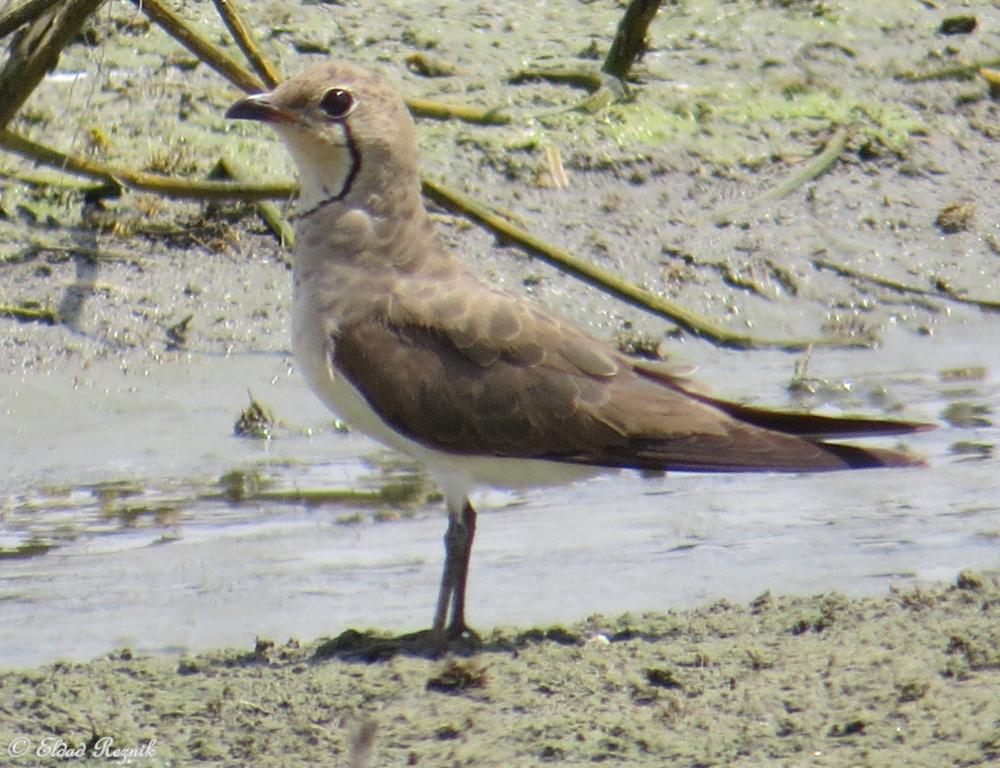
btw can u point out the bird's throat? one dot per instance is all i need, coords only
(326, 170)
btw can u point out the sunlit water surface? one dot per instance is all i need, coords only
(117, 530)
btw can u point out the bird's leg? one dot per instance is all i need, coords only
(458, 549)
(463, 545)
(445, 590)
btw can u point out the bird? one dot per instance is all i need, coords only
(484, 387)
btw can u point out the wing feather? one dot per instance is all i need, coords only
(507, 380)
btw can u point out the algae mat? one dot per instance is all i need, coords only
(907, 679)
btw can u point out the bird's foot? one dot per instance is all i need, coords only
(457, 638)
(459, 631)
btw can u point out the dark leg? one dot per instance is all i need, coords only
(456, 636)
(457, 549)
(457, 628)
(452, 542)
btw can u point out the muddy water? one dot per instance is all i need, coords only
(130, 541)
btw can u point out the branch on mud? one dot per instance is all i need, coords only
(245, 40)
(187, 36)
(578, 78)
(614, 285)
(37, 50)
(819, 165)
(182, 189)
(953, 72)
(942, 291)
(30, 314)
(630, 39)
(225, 169)
(435, 110)
(608, 85)
(991, 76)
(22, 14)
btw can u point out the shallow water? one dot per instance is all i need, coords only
(127, 541)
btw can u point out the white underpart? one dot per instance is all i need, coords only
(456, 474)
(323, 167)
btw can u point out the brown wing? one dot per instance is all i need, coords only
(462, 393)
(509, 380)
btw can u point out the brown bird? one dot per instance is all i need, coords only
(401, 341)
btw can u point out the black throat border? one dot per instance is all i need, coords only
(355, 153)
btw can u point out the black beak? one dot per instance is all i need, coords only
(259, 107)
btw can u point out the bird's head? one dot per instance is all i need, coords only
(347, 130)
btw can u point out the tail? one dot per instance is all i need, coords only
(856, 457)
(744, 448)
(808, 425)
(817, 429)
(750, 439)
(814, 426)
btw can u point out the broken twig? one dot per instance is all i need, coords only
(245, 40)
(189, 189)
(30, 314)
(816, 167)
(186, 35)
(224, 169)
(22, 14)
(944, 293)
(38, 50)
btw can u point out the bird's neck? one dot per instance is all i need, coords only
(376, 227)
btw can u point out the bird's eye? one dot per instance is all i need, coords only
(337, 103)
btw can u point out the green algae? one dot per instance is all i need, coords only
(909, 678)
